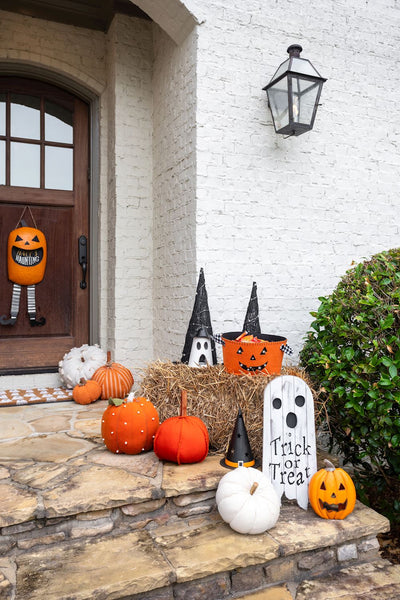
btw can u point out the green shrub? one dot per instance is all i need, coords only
(353, 355)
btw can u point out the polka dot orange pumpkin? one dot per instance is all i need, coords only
(116, 380)
(129, 427)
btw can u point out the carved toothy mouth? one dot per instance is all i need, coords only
(27, 258)
(252, 369)
(333, 507)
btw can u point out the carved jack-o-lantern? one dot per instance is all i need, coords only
(332, 492)
(242, 357)
(27, 255)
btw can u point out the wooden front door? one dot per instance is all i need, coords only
(44, 161)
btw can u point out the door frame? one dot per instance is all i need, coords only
(93, 100)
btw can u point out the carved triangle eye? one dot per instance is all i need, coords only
(240, 351)
(35, 239)
(18, 238)
(263, 351)
(341, 487)
(323, 486)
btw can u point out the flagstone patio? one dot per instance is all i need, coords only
(78, 523)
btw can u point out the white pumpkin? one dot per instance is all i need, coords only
(80, 362)
(247, 501)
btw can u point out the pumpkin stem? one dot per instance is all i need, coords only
(183, 403)
(108, 358)
(115, 401)
(253, 488)
(328, 465)
(82, 381)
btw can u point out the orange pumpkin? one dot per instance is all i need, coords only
(182, 439)
(129, 427)
(331, 492)
(115, 380)
(243, 357)
(86, 392)
(26, 255)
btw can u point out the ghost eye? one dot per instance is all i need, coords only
(263, 351)
(198, 345)
(299, 400)
(323, 486)
(35, 239)
(205, 345)
(277, 403)
(341, 487)
(18, 238)
(240, 351)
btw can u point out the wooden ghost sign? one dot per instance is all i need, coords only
(289, 452)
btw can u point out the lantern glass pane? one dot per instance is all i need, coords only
(302, 65)
(305, 94)
(278, 101)
(281, 70)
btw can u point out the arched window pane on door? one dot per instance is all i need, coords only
(2, 162)
(25, 165)
(25, 116)
(58, 123)
(58, 168)
(2, 114)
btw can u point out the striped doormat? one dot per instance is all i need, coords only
(34, 396)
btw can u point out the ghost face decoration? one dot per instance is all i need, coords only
(26, 256)
(201, 352)
(289, 450)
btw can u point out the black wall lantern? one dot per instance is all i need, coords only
(293, 94)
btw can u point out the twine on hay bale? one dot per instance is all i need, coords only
(215, 396)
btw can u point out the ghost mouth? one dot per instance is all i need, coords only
(27, 258)
(252, 369)
(202, 362)
(333, 507)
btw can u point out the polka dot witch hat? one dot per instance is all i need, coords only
(239, 451)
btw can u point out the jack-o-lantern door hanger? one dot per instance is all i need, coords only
(26, 265)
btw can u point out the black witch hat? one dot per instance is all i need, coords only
(200, 320)
(239, 450)
(251, 323)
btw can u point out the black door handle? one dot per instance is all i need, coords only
(82, 256)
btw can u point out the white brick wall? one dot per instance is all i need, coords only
(292, 214)
(130, 248)
(174, 191)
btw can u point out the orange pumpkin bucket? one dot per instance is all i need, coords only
(250, 358)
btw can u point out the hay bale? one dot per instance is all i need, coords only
(215, 396)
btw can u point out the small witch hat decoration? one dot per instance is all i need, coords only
(239, 450)
(199, 321)
(251, 322)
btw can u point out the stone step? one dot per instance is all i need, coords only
(378, 580)
(197, 558)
